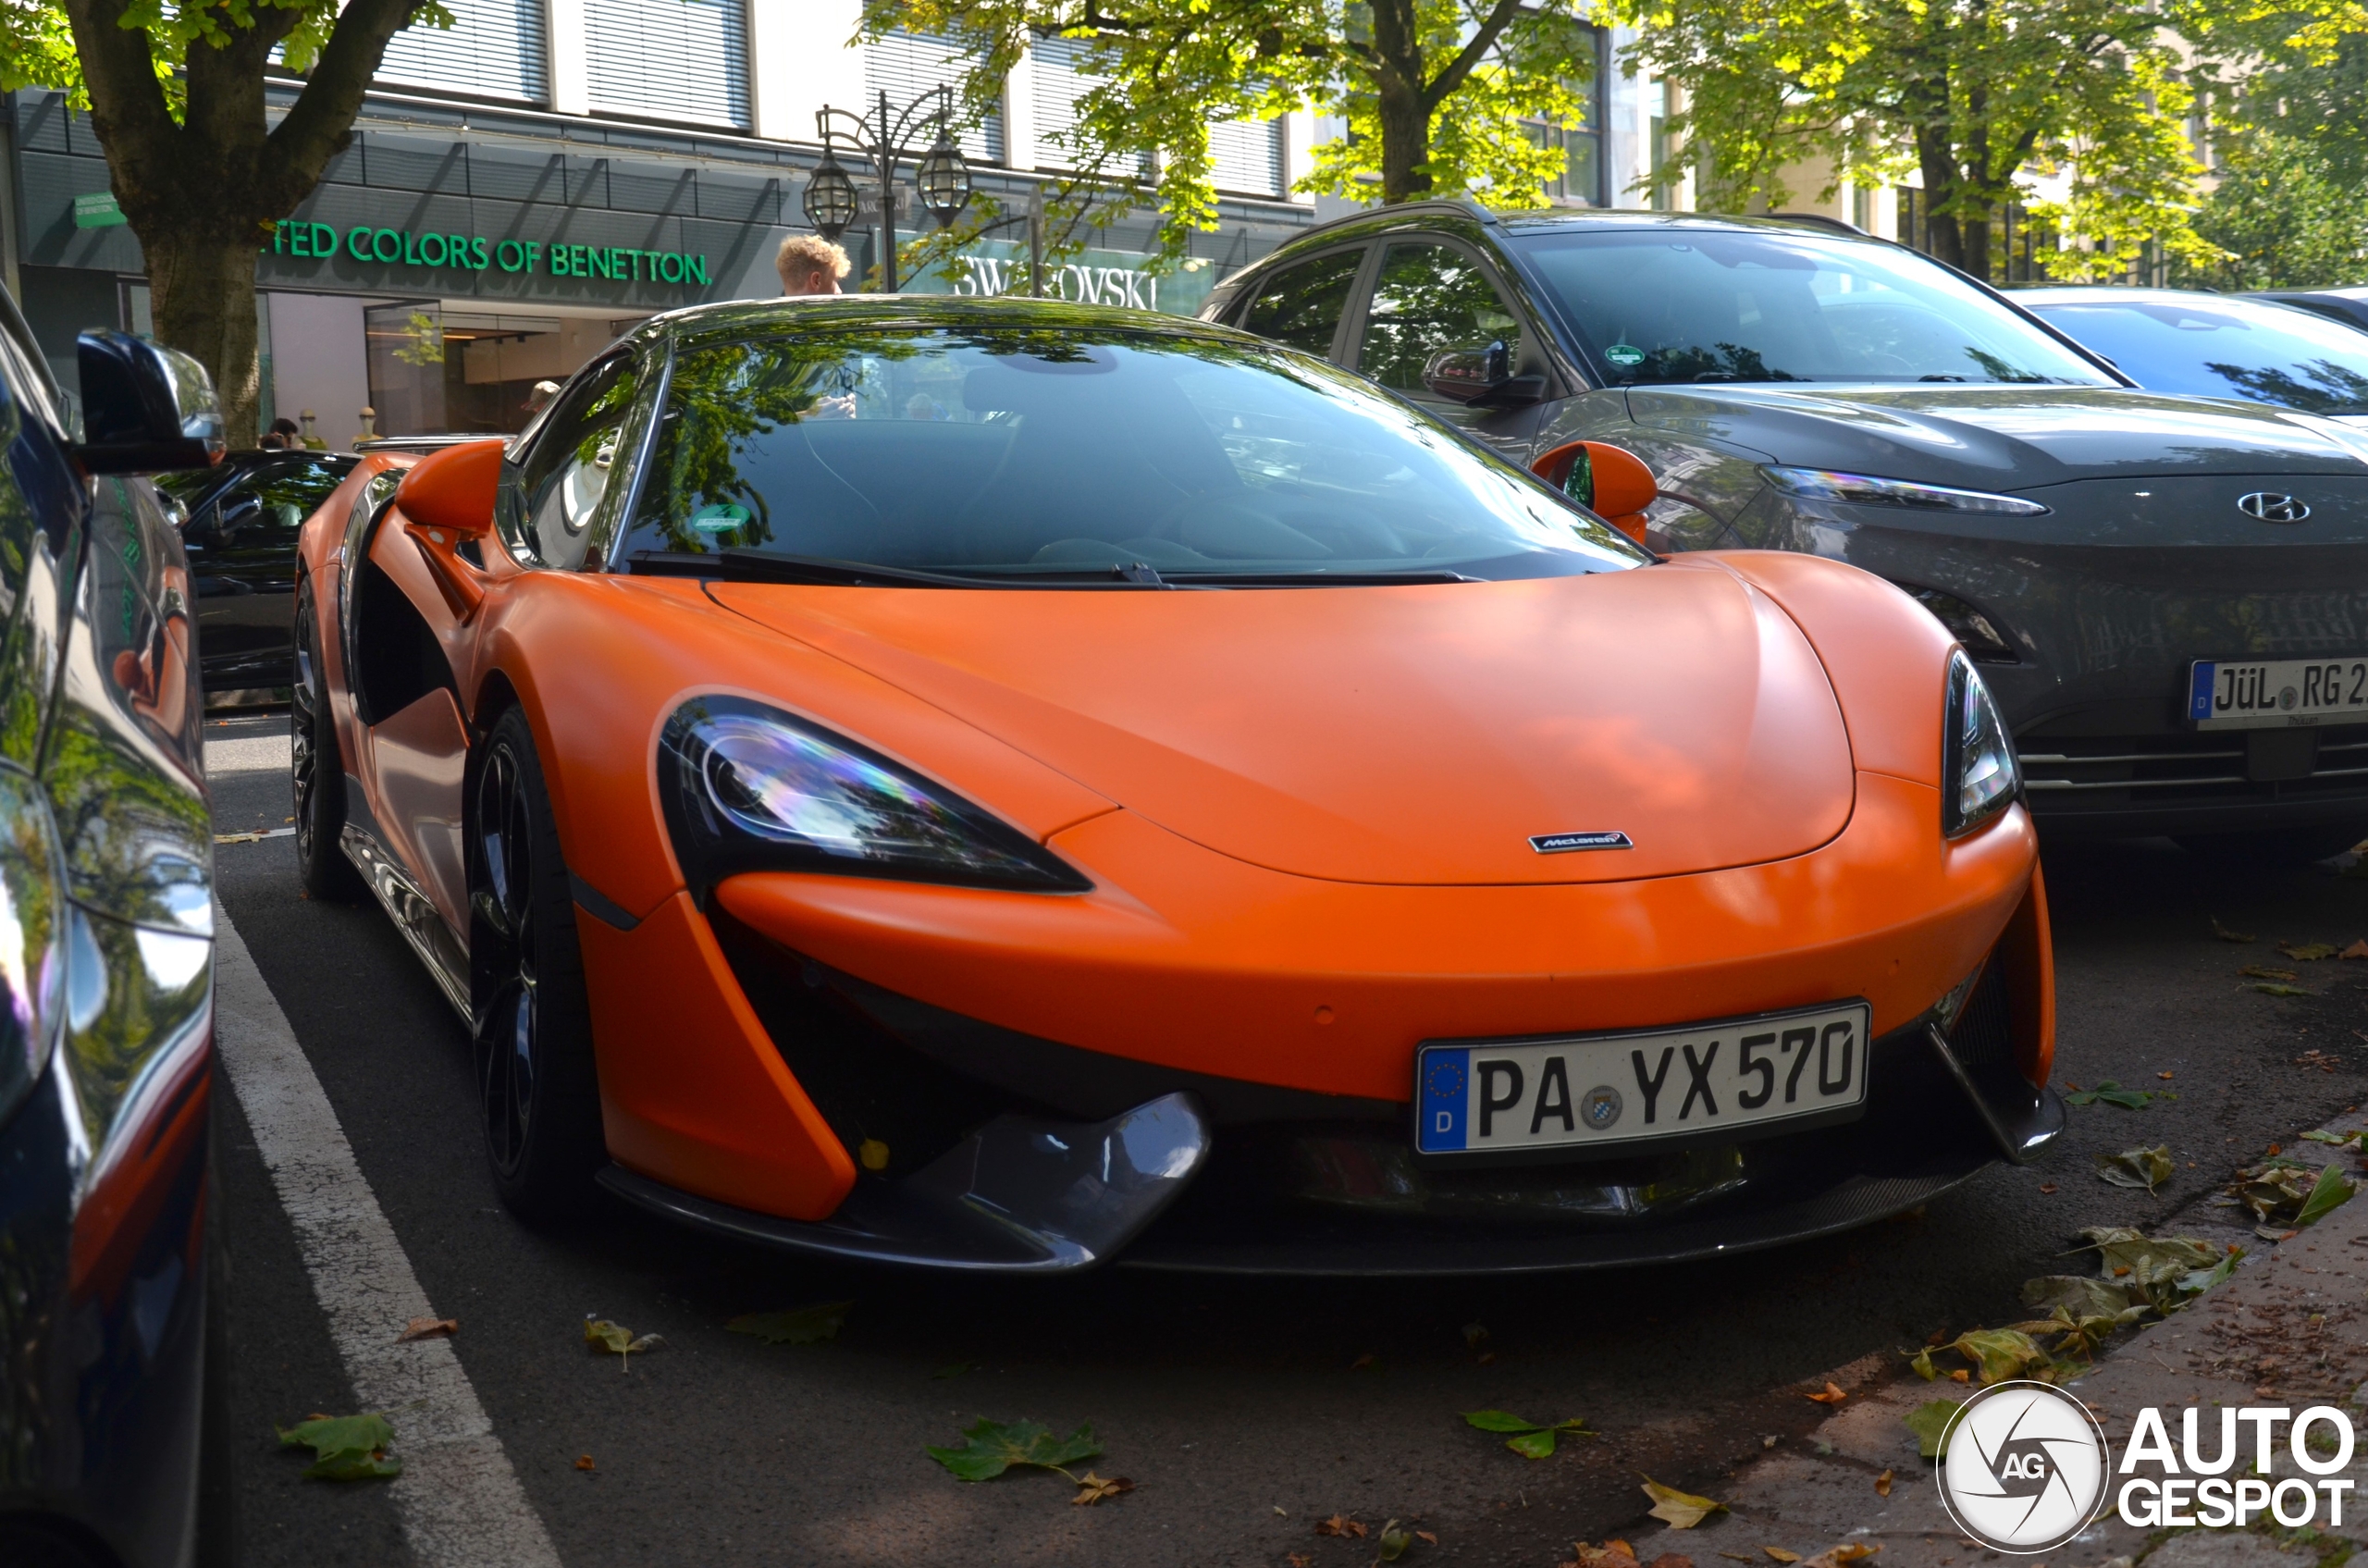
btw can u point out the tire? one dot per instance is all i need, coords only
(2278, 847)
(317, 771)
(537, 1089)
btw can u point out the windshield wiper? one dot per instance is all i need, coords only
(767, 567)
(1315, 579)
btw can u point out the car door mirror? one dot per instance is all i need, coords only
(452, 490)
(1610, 481)
(146, 409)
(1480, 377)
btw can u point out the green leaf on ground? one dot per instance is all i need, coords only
(1999, 1353)
(1930, 1424)
(1530, 1440)
(604, 1338)
(345, 1447)
(2202, 1279)
(2308, 952)
(2113, 1093)
(2157, 1268)
(2083, 1296)
(2273, 988)
(2263, 971)
(2148, 1168)
(992, 1447)
(2331, 1191)
(804, 1326)
(1679, 1511)
(2224, 934)
(2341, 1140)
(1394, 1542)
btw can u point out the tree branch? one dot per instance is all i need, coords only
(126, 98)
(319, 123)
(1443, 86)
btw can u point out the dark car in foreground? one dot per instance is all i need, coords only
(2216, 345)
(2168, 596)
(110, 1341)
(241, 537)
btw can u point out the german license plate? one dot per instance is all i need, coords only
(2251, 694)
(1612, 1091)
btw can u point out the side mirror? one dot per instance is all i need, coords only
(1480, 377)
(1611, 482)
(146, 409)
(452, 489)
(446, 501)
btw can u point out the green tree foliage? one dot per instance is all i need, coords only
(175, 89)
(1433, 93)
(2279, 218)
(1978, 96)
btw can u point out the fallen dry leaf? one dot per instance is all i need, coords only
(1844, 1555)
(584, 1461)
(1427, 1538)
(2306, 952)
(2047, 1187)
(1301, 1559)
(2263, 971)
(1962, 1375)
(427, 1327)
(1610, 1554)
(602, 1337)
(2224, 934)
(1832, 1395)
(1679, 1511)
(2163, 1075)
(1340, 1525)
(1092, 1489)
(2357, 950)
(1780, 1555)
(1882, 1484)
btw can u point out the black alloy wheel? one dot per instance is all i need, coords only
(537, 1090)
(317, 770)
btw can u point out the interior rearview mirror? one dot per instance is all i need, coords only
(1480, 377)
(146, 409)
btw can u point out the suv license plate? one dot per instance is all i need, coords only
(2258, 694)
(1614, 1091)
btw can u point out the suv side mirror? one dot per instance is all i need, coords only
(1481, 377)
(146, 409)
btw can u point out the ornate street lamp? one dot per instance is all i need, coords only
(829, 197)
(944, 178)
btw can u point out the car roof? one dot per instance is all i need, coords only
(925, 312)
(2114, 293)
(1547, 220)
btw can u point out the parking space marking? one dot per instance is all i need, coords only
(459, 1498)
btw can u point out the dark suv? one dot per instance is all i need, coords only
(110, 1328)
(240, 536)
(2169, 595)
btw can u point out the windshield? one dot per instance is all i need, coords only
(2211, 348)
(1025, 451)
(1664, 305)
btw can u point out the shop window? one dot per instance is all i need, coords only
(905, 66)
(668, 59)
(494, 49)
(435, 371)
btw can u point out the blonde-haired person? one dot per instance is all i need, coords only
(809, 264)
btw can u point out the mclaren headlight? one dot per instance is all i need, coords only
(1866, 489)
(746, 788)
(1980, 776)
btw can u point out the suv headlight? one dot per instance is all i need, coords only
(1864, 489)
(747, 787)
(1979, 774)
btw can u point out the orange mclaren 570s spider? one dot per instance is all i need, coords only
(1004, 785)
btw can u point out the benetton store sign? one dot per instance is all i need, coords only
(474, 252)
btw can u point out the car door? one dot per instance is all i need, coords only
(1430, 294)
(242, 549)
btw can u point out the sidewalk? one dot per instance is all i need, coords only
(2290, 1328)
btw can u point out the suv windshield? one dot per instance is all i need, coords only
(1662, 305)
(2213, 348)
(1021, 451)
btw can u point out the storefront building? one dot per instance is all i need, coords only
(521, 189)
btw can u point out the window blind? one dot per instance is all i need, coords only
(905, 66)
(494, 48)
(669, 59)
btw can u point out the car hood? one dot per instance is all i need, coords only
(2004, 438)
(1417, 734)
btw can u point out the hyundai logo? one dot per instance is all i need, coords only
(2271, 507)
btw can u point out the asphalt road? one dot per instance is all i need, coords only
(1245, 1411)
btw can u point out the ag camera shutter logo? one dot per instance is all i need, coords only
(2025, 1467)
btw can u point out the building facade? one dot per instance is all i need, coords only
(522, 186)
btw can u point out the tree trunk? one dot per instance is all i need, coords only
(202, 297)
(203, 193)
(1399, 103)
